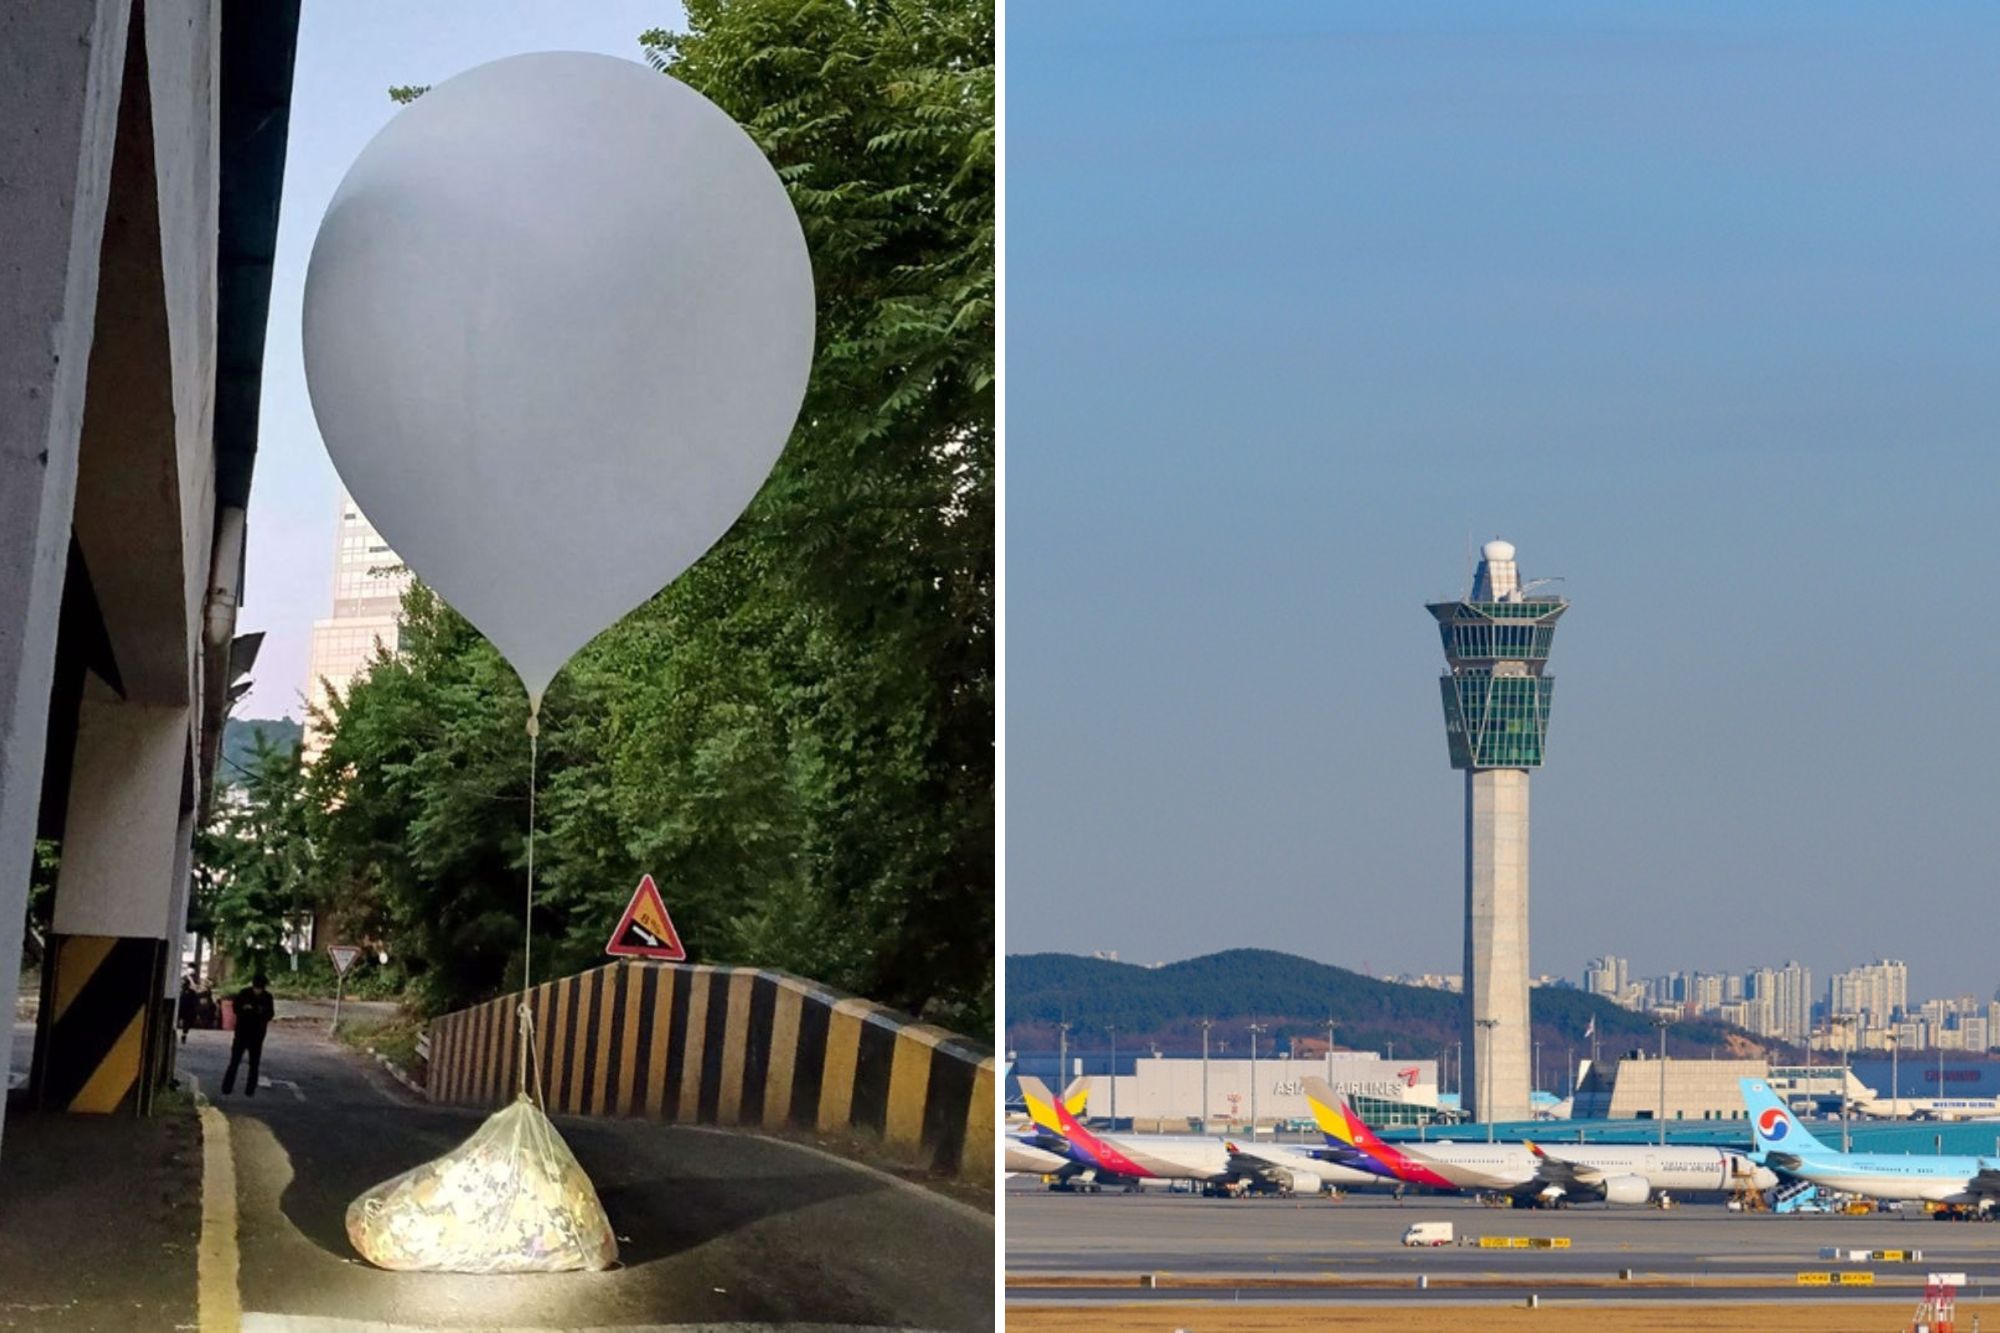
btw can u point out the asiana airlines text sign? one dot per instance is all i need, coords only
(1170, 1087)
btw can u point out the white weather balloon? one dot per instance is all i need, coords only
(558, 322)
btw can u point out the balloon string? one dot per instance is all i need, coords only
(528, 909)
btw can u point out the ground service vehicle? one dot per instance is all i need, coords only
(1428, 1234)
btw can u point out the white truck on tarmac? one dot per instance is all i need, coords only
(1428, 1234)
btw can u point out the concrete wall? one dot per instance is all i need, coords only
(1496, 945)
(726, 1046)
(1169, 1088)
(61, 71)
(111, 166)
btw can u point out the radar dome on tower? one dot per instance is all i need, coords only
(1497, 550)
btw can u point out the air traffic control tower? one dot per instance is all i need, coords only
(1496, 720)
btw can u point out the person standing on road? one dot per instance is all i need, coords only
(190, 1004)
(254, 1010)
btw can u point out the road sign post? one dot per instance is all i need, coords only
(343, 956)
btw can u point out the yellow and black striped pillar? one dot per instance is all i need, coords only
(103, 1023)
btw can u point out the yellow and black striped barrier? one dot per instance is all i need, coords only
(1815, 1279)
(105, 1023)
(1857, 1279)
(698, 1044)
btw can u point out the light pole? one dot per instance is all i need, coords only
(1062, 1056)
(1206, 1024)
(1844, 1022)
(1812, 1102)
(1538, 1069)
(1663, 1022)
(1486, 1025)
(1895, 1040)
(1255, 1028)
(1458, 1071)
(1329, 1047)
(1112, 1028)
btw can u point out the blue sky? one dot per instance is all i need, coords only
(1698, 306)
(350, 54)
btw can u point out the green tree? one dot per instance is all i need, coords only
(879, 522)
(255, 861)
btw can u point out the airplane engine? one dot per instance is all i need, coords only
(1305, 1182)
(1626, 1189)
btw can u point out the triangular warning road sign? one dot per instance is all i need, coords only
(646, 931)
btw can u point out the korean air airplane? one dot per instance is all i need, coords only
(1784, 1143)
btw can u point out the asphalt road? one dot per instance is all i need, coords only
(714, 1227)
(1357, 1240)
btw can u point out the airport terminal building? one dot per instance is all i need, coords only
(1165, 1092)
(1631, 1088)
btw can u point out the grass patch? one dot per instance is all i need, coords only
(395, 1038)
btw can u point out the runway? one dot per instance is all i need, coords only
(1092, 1248)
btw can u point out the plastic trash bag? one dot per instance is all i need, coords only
(510, 1199)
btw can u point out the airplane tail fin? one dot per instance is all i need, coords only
(1336, 1119)
(1076, 1096)
(1772, 1122)
(1041, 1106)
(1326, 1109)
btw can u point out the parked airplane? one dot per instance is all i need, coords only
(1028, 1150)
(1210, 1161)
(1783, 1142)
(1612, 1172)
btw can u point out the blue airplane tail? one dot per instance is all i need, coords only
(1775, 1127)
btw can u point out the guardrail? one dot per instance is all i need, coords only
(731, 1046)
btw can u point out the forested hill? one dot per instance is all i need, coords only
(239, 742)
(1293, 996)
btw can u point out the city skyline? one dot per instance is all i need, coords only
(1823, 974)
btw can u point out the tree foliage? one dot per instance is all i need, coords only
(796, 737)
(255, 863)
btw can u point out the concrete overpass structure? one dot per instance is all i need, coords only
(140, 172)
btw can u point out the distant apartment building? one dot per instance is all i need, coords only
(368, 584)
(1605, 976)
(1791, 992)
(1879, 991)
(1705, 992)
(1449, 981)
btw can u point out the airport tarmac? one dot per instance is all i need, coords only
(1095, 1248)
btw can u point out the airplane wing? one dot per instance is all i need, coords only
(1278, 1170)
(1562, 1172)
(1985, 1182)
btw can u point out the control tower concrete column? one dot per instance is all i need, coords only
(1496, 708)
(1496, 941)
